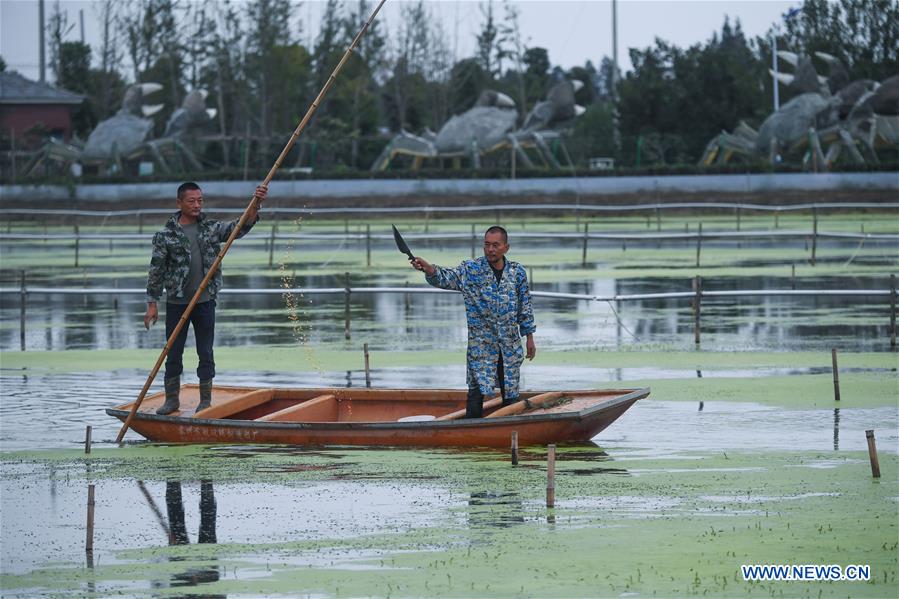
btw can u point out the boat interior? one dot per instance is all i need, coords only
(357, 405)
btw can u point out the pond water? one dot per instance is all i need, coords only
(244, 514)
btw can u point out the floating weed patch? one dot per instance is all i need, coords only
(682, 525)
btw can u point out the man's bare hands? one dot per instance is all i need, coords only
(151, 316)
(531, 348)
(259, 196)
(423, 266)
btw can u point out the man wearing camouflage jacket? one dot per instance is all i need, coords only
(183, 252)
(498, 309)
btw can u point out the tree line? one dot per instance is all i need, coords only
(261, 75)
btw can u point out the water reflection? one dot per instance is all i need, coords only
(178, 532)
(430, 322)
(495, 509)
(836, 429)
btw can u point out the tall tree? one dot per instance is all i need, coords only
(58, 27)
(489, 50)
(107, 82)
(267, 36)
(512, 48)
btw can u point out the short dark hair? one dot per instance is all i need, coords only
(187, 186)
(498, 229)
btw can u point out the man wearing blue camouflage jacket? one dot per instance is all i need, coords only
(498, 309)
(183, 252)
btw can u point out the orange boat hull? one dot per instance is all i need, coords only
(368, 417)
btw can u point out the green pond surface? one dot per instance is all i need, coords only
(739, 456)
(229, 521)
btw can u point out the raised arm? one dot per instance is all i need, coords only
(438, 276)
(223, 229)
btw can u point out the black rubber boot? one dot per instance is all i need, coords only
(205, 395)
(474, 405)
(172, 389)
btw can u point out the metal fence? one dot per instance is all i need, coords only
(696, 296)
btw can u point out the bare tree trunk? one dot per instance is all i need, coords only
(221, 108)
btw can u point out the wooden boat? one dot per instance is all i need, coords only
(377, 417)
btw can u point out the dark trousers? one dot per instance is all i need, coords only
(202, 318)
(474, 406)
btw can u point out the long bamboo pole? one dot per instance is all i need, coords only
(243, 219)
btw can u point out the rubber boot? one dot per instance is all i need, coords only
(474, 405)
(172, 389)
(205, 395)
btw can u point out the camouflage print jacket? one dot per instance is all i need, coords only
(499, 315)
(170, 263)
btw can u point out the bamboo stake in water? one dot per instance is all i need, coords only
(698, 244)
(872, 454)
(346, 306)
(697, 307)
(584, 252)
(367, 369)
(243, 219)
(23, 299)
(836, 375)
(87, 439)
(893, 312)
(89, 538)
(551, 476)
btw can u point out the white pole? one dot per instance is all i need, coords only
(42, 60)
(774, 66)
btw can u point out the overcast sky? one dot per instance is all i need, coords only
(572, 31)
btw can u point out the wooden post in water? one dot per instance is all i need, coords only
(367, 369)
(406, 298)
(777, 219)
(698, 244)
(77, 241)
(584, 252)
(872, 454)
(271, 247)
(893, 312)
(836, 375)
(368, 245)
(814, 234)
(514, 448)
(89, 538)
(531, 277)
(793, 276)
(697, 307)
(346, 305)
(87, 439)
(550, 476)
(473, 238)
(23, 300)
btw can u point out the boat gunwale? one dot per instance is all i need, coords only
(633, 396)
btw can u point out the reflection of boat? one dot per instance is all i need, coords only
(387, 417)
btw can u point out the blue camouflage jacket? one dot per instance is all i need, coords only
(170, 262)
(499, 315)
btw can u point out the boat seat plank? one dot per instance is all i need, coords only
(535, 402)
(488, 405)
(291, 413)
(236, 404)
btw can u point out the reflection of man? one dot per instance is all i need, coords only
(498, 308)
(178, 532)
(175, 508)
(183, 252)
